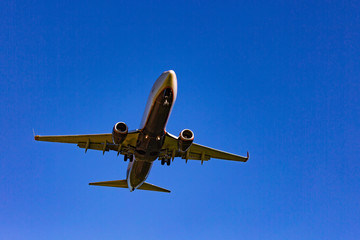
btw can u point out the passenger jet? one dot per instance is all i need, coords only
(148, 143)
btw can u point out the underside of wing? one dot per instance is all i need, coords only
(76, 138)
(199, 152)
(102, 142)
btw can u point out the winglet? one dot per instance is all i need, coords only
(248, 155)
(36, 137)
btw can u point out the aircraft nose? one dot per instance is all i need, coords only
(171, 72)
(170, 76)
(171, 80)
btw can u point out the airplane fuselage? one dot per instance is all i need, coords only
(148, 143)
(152, 128)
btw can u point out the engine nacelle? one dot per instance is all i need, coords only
(186, 137)
(119, 132)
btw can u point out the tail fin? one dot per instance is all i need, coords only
(124, 184)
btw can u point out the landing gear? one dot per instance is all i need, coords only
(167, 97)
(130, 157)
(165, 160)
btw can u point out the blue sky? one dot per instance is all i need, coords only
(278, 79)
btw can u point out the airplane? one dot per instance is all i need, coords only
(148, 143)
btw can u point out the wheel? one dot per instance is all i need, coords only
(125, 158)
(131, 158)
(168, 161)
(162, 161)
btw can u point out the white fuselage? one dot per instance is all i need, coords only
(152, 128)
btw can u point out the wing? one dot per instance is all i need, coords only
(197, 151)
(101, 142)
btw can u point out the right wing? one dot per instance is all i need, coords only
(102, 142)
(198, 152)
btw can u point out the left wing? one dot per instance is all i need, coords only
(101, 142)
(197, 151)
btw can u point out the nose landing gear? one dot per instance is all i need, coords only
(165, 160)
(131, 157)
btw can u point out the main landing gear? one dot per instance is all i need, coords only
(126, 157)
(165, 160)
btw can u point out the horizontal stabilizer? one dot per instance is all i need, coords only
(151, 187)
(124, 184)
(116, 183)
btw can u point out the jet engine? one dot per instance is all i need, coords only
(119, 132)
(186, 137)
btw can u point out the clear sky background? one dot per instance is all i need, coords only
(279, 79)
